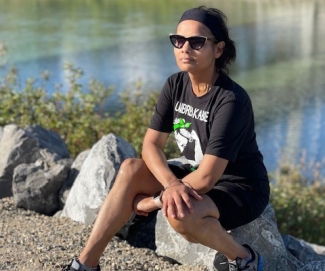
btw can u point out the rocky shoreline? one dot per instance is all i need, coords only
(31, 241)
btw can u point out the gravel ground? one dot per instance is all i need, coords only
(30, 241)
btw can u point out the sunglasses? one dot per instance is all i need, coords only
(196, 42)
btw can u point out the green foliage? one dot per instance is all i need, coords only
(76, 115)
(299, 204)
(132, 123)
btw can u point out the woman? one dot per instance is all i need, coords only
(222, 182)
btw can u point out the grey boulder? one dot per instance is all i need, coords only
(96, 177)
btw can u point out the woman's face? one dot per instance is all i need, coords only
(196, 61)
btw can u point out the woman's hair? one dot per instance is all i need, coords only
(229, 52)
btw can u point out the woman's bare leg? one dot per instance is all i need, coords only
(133, 178)
(203, 226)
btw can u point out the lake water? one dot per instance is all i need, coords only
(280, 56)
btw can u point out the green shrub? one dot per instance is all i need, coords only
(132, 123)
(76, 114)
(299, 204)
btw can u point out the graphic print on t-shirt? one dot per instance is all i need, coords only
(192, 112)
(188, 141)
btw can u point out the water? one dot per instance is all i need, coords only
(280, 56)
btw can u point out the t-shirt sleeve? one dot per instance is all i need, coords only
(229, 128)
(162, 119)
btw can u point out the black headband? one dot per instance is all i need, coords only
(205, 18)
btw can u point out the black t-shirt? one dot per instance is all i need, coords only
(220, 123)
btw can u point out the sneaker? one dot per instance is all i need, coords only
(75, 265)
(220, 262)
(255, 264)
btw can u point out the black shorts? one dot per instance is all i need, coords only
(239, 202)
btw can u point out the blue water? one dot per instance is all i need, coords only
(280, 58)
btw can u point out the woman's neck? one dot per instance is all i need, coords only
(201, 85)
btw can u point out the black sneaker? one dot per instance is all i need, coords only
(220, 262)
(255, 264)
(75, 265)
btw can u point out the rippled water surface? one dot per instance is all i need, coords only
(280, 56)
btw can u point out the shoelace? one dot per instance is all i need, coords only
(233, 266)
(66, 268)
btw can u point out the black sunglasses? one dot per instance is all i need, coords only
(196, 42)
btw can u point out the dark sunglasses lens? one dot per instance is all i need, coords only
(196, 42)
(177, 41)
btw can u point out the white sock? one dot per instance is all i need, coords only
(247, 260)
(76, 265)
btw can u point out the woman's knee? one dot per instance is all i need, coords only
(182, 226)
(131, 166)
(189, 238)
(189, 224)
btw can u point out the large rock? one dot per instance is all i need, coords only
(313, 266)
(280, 253)
(36, 186)
(49, 141)
(96, 178)
(304, 251)
(261, 233)
(74, 171)
(25, 146)
(16, 147)
(1, 132)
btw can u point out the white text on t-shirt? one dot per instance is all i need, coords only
(192, 112)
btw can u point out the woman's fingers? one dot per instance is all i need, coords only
(141, 213)
(180, 208)
(195, 195)
(188, 204)
(169, 199)
(177, 201)
(172, 210)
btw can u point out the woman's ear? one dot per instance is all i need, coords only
(219, 48)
